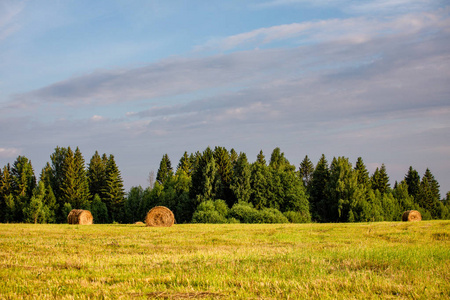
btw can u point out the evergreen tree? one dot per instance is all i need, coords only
(165, 170)
(23, 185)
(36, 211)
(57, 176)
(99, 210)
(278, 161)
(132, 204)
(380, 180)
(6, 195)
(412, 179)
(428, 195)
(185, 164)
(233, 156)
(362, 173)
(96, 175)
(224, 172)
(318, 195)
(259, 178)
(203, 186)
(306, 170)
(114, 191)
(240, 183)
(74, 187)
(49, 197)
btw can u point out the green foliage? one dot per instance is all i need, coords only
(66, 209)
(317, 190)
(165, 171)
(412, 179)
(380, 180)
(297, 217)
(99, 210)
(306, 170)
(240, 183)
(246, 213)
(114, 191)
(211, 212)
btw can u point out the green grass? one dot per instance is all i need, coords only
(305, 261)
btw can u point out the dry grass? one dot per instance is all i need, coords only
(391, 260)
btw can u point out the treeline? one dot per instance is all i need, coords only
(219, 186)
(216, 186)
(63, 184)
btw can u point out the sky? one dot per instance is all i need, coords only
(139, 79)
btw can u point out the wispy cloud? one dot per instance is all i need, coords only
(329, 40)
(351, 30)
(9, 152)
(9, 11)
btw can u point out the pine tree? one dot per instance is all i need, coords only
(412, 179)
(306, 170)
(165, 171)
(7, 205)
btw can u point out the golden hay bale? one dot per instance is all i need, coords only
(411, 215)
(80, 216)
(139, 223)
(160, 216)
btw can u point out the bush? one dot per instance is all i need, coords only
(296, 217)
(272, 215)
(207, 212)
(245, 213)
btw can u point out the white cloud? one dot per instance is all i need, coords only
(9, 152)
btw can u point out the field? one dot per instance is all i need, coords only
(305, 261)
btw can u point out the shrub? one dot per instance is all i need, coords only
(207, 212)
(296, 217)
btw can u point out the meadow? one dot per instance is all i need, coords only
(388, 260)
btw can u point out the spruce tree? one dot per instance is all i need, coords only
(224, 172)
(75, 187)
(259, 178)
(165, 171)
(185, 164)
(240, 182)
(115, 195)
(23, 185)
(362, 173)
(380, 180)
(6, 195)
(318, 195)
(306, 170)
(96, 175)
(412, 179)
(204, 178)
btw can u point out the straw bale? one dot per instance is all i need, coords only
(160, 216)
(80, 217)
(411, 215)
(139, 223)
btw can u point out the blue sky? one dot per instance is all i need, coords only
(139, 79)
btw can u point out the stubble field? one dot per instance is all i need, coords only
(240, 261)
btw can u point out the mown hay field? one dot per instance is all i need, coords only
(395, 260)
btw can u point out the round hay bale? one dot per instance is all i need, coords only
(139, 223)
(160, 216)
(80, 217)
(411, 215)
